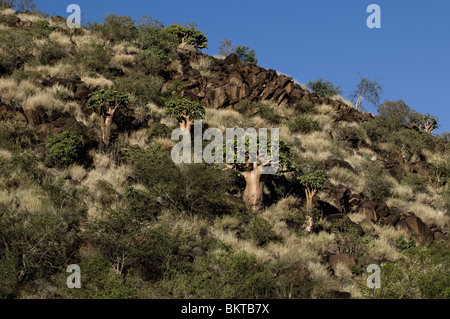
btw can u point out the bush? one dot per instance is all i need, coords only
(324, 88)
(246, 55)
(376, 183)
(229, 276)
(261, 231)
(158, 130)
(401, 243)
(303, 125)
(94, 57)
(417, 182)
(15, 48)
(43, 28)
(64, 148)
(421, 273)
(262, 109)
(50, 52)
(144, 88)
(115, 28)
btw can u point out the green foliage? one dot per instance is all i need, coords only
(261, 231)
(43, 28)
(325, 88)
(181, 107)
(369, 90)
(15, 48)
(102, 101)
(193, 188)
(190, 35)
(401, 243)
(100, 282)
(64, 148)
(144, 88)
(94, 57)
(395, 114)
(314, 180)
(115, 28)
(376, 183)
(417, 182)
(157, 130)
(246, 55)
(303, 125)
(50, 52)
(421, 273)
(229, 276)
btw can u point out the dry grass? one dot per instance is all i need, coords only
(8, 12)
(121, 60)
(223, 119)
(77, 173)
(13, 91)
(203, 65)
(59, 70)
(61, 38)
(98, 82)
(45, 100)
(339, 175)
(5, 156)
(138, 138)
(29, 17)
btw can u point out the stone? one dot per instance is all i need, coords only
(382, 209)
(32, 117)
(368, 208)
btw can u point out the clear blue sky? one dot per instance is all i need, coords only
(409, 55)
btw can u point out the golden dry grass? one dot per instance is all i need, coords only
(98, 82)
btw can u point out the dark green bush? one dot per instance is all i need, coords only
(376, 183)
(144, 88)
(158, 130)
(324, 88)
(115, 28)
(401, 243)
(95, 57)
(303, 125)
(50, 52)
(15, 49)
(266, 112)
(64, 148)
(417, 182)
(43, 28)
(261, 231)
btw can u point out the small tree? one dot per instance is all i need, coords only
(253, 171)
(105, 103)
(325, 88)
(185, 111)
(369, 90)
(189, 35)
(313, 182)
(425, 123)
(246, 55)
(226, 48)
(64, 148)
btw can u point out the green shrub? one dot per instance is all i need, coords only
(376, 183)
(94, 57)
(401, 243)
(246, 55)
(229, 276)
(325, 88)
(64, 148)
(43, 28)
(50, 52)
(144, 88)
(303, 125)
(417, 182)
(115, 28)
(264, 110)
(261, 231)
(15, 48)
(157, 130)
(421, 273)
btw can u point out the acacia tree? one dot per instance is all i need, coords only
(185, 111)
(252, 168)
(369, 90)
(189, 35)
(105, 103)
(313, 182)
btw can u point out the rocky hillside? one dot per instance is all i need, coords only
(140, 226)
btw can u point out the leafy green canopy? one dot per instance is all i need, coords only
(369, 90)
(182, 108)
(102, 100)
(325, 88)
(189, 35)
(314, 180)
(246, 55)
(64, 148)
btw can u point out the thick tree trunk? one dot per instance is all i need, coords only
(253, 193)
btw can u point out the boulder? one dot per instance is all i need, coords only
(368, 208)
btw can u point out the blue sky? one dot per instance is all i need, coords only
(307, 40)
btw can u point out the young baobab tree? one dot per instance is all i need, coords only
(189, 35)
(313, 182)
(251, 168)
(367, 90)
(185, 111)
(425, 123)
(105, 103)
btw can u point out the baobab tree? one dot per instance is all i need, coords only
(369, 90)
(313, 182)
(105, 103)
(253, 165)
(425, 123)
(185, 111)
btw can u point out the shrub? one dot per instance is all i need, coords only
(158, 130)
(43, 28)
(401, 243)
(246, 55)
(325, 88)
(64, 148)
(376, 183)
(262, 109)
(144, 88)
(50, 52)
(94, 57)
(417, 182)
(15, 48)
(303, 125)
(261, 231)
(115, 28)
(229, 276)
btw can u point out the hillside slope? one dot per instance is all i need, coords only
(140, 226)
